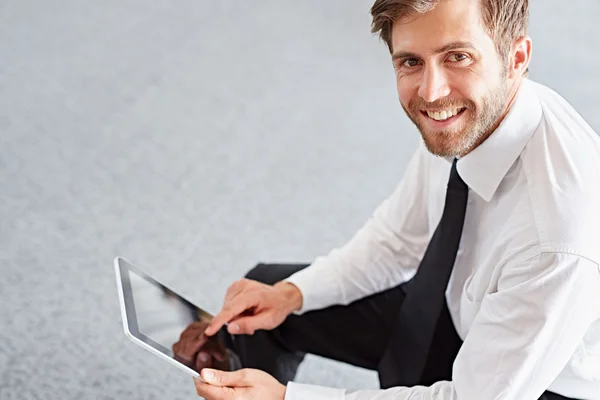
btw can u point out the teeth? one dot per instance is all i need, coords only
(443, 115)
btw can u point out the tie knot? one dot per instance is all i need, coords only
(455, 181)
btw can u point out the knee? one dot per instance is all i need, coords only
(270, 274)
(259, 273)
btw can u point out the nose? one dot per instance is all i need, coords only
(434, 84)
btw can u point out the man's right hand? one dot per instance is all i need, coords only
(251, 305)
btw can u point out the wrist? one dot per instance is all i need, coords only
(292, 295)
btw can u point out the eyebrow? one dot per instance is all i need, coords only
(443, 49)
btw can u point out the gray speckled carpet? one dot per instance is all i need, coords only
(196, 138)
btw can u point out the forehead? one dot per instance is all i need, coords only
(449, 21)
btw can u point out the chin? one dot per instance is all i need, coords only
(442, 151)
(443, 144)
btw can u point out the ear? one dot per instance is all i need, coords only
(520, 57)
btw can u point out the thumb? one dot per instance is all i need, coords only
(248, 325)
(234, 379)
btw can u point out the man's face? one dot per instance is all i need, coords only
(451, 81)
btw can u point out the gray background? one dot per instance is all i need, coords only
(196, 138)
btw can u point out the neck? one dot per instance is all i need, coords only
(513, 91)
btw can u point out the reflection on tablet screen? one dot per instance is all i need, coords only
(176, 327)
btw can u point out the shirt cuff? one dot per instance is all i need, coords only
(301, 391)
(319, 286)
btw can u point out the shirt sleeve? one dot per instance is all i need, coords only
(384, 252)
(521, 339)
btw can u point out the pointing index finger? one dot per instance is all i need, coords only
(227, 314)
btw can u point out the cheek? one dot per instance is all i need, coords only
(467, 86)
(407, 89)
(477, 82)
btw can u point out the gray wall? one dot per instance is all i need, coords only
(195, 138)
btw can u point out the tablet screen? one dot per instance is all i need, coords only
(172, 325)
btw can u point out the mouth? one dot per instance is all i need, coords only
(442, 118)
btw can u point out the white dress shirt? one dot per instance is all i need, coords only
(524, 294)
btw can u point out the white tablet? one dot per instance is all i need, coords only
(169, 326)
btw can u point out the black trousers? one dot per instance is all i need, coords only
(356, 334)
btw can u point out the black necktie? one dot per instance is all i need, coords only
(424, 307)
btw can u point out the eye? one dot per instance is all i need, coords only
(458, 57)
(410, 62)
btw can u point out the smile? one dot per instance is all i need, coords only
(444, 115)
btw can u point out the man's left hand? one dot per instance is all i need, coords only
(244, 384)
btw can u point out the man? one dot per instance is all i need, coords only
(479, 278)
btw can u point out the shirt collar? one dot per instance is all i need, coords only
(484, 168)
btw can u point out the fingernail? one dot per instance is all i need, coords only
(234, 328)
(208, 374)
(204, 357)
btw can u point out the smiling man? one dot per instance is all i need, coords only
(479, 277)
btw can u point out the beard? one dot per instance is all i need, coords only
(476, 125)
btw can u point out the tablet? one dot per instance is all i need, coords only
(169, 326)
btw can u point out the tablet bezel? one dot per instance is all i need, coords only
(122, 267)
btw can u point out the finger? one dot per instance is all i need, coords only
(249, 325)
(218, 355)
(188, 348)
(184, 361)
(235, 289)
(239, 378)
(203, 360)
(211, 392)
(230, 310)
(193, 330)
(192, 346)
(199, 326)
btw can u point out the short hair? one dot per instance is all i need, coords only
(505, 20)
